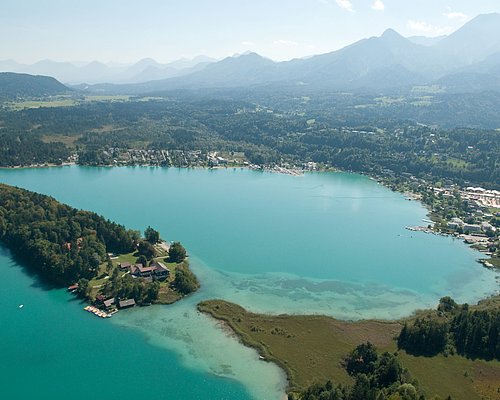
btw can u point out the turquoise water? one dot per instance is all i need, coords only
(329, 243)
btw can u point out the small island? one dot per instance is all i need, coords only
(97, 259)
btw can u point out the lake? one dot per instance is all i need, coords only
(329, 243)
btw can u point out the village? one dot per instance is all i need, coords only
(476, 223)
(469, 213)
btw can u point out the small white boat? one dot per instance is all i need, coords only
(21, 305)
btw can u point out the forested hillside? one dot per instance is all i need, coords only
(101, 132)
(14, 86)
(60, 242)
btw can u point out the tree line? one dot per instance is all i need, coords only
(265, 136)
(456, 328)
(376, 377)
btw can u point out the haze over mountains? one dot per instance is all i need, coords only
(96, 72)
(467, 60)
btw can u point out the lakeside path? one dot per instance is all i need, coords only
(310, 349)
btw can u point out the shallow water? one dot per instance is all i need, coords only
(329, 243)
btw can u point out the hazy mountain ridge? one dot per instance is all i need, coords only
(13, 86)
(387, 61)
(466, 60)
(97, 72)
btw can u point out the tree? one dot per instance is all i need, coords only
(427, 336)
(362, 389)
(151, 235)
(185, 281)
(362, 359)
(152, 292)
(447, 304)
(388, 370)
(142, 260)
(83, 288)
(146, 249)
(177, 252)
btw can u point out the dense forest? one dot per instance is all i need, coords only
(29, 149)
(61, 243)
(456, 328)
(98, 131)
(377, 377)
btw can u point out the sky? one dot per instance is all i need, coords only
(125, 31)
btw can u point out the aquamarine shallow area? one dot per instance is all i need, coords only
(330, 243)
(51, 349)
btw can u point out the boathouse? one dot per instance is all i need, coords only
(126, 303)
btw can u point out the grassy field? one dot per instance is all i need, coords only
(22, 105)
(62, 101)
(311, 348)
(107, 98)
(67, 140)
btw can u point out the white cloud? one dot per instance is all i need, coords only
(248, 43)
(456, 15)
(378, 5)
(345, 4)
(428, 29)
(285, 42)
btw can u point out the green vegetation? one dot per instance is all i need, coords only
(454, 328)
(14, 86)
(377, 377)
(66, 245)
(58, 102)
(176, 253)
(185, 281)
(151, 235)
(61, 243)
(312, 350)
(280, 132)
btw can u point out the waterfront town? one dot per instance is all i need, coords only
(469, 213)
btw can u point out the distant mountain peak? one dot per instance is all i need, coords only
(147, 60)
(477, 39)
(248, 54)
(392, 36)
(390, 33)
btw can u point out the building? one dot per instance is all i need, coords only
(126, 303)
(124, 266)
(160, 271)
(471, 228)
(487, 227)
(108, 303)
(140, 271)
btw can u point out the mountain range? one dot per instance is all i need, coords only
(467, 60)
(95, 72)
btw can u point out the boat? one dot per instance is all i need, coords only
(21, 305)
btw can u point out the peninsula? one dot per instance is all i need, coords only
(448, 353)
(99, 260)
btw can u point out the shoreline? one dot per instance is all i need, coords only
(484, 261)
(297, 172)
(275, 338)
